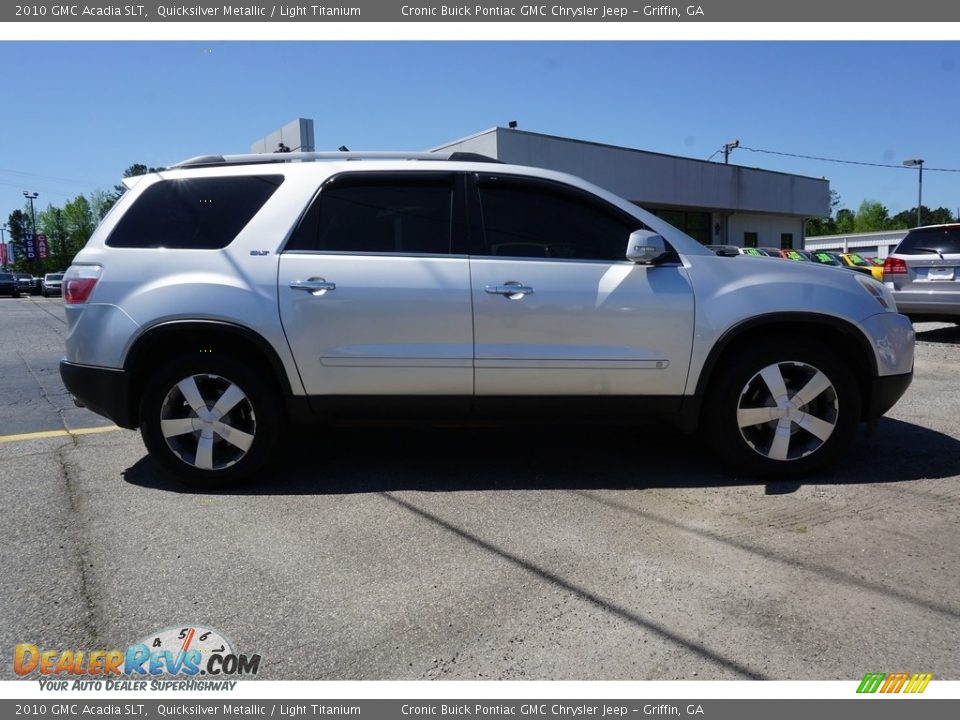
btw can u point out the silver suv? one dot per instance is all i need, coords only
(228, 296)
(924, 273)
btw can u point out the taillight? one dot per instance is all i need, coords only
(78, 282)
(894, 266)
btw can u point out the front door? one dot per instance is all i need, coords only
(558, 310)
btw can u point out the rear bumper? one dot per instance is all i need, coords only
(940, 303)
(885, 392)
(106, 391)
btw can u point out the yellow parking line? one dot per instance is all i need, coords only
(56, 433)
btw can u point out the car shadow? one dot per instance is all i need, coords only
(945, 334)
(324, 460)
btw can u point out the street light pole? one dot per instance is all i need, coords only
(31, 196)
(917, 163)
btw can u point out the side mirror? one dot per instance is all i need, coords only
(646, 248)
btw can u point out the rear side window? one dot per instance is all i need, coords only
(373, 213)
(943, 240)
(196, 213)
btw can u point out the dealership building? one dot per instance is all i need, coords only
(713, 202)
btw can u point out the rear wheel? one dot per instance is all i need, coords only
(786, 408)
(210, 421)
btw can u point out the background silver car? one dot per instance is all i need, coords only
(52, 284)
(924, 273)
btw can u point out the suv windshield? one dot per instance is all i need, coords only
(943, 240)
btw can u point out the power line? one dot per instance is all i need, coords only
(41, 188)
(44, 177)
(844, 162)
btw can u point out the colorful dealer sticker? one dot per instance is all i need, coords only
(888, 683)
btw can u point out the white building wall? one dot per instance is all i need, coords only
(296, 135)
(878, 244)
(767, 227)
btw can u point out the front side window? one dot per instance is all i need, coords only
(194, 213)
(531, 220)
(379, 215)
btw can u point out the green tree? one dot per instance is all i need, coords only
(845, 221)
(134, 170)
(827, 225)
(908, 218)
(101, 201)
(872, 216)
(79, 220)
(19, 225)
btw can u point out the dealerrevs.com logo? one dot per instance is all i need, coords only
(181, 652)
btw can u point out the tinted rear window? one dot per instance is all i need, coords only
(944, 240)
(197, 213)
(6, 277)
(379, 213)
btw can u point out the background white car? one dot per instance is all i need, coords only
(52, 284)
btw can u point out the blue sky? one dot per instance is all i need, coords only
(78, 113)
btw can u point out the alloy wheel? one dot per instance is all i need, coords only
(787, 410)
(208, 421)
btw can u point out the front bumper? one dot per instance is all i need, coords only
(106, 391)
(885, 392)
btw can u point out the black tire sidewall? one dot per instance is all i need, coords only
(262, 396)
(721, 411)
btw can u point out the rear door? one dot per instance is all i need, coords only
(374, 287)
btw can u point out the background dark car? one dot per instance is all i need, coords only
(724, 250)
(27, 283)
(9, 285)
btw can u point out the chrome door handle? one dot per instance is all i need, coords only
(314, 286)
(511, 290)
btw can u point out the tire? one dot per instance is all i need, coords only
(196, 450)
(800, 433)
(44, 293)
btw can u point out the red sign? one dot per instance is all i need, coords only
(42, 247)
(3, 253)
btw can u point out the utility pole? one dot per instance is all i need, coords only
(727, 149)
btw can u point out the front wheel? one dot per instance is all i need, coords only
(785, 408)
(210, 421)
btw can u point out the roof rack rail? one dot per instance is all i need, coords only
(256, 158)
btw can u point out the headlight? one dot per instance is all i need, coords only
(880, 292)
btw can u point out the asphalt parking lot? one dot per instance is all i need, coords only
(593, 554)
